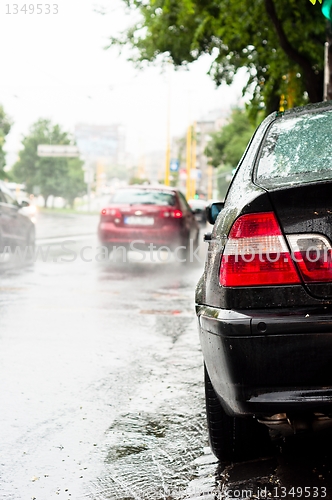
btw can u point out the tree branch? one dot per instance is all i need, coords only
(311, 78)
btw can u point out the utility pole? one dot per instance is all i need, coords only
(328, 68)
(327, 12)
(88, 179)
(188, 163)
(193, 162)
(168, 129)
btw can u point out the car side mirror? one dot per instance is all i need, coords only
(213, 210)
(24, 204)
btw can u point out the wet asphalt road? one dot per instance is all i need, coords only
(101, 389)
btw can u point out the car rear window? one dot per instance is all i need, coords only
(297, 150)
(143, 197)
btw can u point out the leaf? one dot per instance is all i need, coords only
(279, 42)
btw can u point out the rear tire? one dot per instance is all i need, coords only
(233, 438)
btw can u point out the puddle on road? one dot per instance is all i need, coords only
(150, 459)
(156, 448)
(123, 451)
(151, 447)
(176, 272)
(254, 480)
(306, 461)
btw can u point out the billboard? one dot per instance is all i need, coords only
(100, 141)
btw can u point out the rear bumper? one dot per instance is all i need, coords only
(109, 233)
(271, 361)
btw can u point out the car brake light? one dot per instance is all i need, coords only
(256, 254)
(313, 256)
(172, 213)
(111, 215)
(177, 214)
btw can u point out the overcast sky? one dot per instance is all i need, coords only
(54, 66)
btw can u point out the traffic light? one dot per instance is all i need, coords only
(327, 9)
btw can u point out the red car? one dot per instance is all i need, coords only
(142, 216)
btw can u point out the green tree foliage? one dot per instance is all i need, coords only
(227, 145)
(281, 43)
(75, 185)
(53, 176)
(138, 180)
(5, 125)
(223, 177)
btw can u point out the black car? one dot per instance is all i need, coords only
(264, 302)
(16, 228)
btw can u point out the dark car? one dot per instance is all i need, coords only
(16, 229)
(264, 302)
(141, 216)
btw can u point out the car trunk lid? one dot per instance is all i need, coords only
(141, 215)
(305, 217)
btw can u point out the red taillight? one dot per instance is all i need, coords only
(256, 254)
(173, 213)
(177, 214)
(111, 215)
(313, 256)
(255, 225)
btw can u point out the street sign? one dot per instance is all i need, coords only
(174, 165)
(183, 174)
(57, 150)
(195, 174)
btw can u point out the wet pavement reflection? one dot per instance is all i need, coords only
(102, 391)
